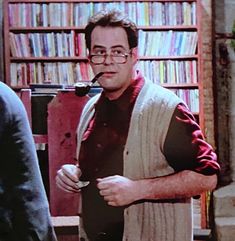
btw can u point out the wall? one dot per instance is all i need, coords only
(225, 88)
(207, 70)
(224, 65)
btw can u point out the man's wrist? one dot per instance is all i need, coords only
(143, 189)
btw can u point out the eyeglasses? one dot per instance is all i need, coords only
(118, 58)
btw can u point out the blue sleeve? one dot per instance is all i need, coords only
(24, 207)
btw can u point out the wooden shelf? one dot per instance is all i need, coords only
(183, 57)
(76, 1)
(81, 28)
(45, 29)
(72, 59)
(180, 86)
(48, 59)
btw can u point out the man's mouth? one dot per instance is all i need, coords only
(109, 74)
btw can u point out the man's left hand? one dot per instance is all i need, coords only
(118, 190)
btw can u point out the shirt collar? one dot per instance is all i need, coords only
(128, 97)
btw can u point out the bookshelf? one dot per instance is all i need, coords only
(41, 49)
(44, 44)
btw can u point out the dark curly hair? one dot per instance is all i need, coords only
(112, 18)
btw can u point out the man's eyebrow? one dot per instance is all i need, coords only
(118, 46)
(103, 47)
(98, 46)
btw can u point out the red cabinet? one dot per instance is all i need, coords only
(63, 115)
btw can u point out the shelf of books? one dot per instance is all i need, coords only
(44, 42)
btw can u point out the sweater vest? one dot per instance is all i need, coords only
(160, 220)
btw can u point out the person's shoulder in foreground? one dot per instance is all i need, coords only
(24, 210)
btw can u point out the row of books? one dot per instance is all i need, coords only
(190, 97)
(23, 74)
(161, 72)
(71, 44)
(169, 71)
(167, 43)
(47, 44)
(77, 14)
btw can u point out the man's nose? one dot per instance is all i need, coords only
(108, 59)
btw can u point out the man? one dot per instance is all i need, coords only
(138, 146)
(24, 211)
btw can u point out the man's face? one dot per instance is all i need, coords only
(117, 76)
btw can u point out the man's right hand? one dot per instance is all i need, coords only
(68, 177)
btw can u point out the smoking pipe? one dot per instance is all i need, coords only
(82, 89)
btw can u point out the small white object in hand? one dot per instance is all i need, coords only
(81, 184)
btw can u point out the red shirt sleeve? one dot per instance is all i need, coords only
(185, 147)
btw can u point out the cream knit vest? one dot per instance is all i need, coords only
(143, 158)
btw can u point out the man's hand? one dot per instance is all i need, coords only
(118, 190)
(67, 178)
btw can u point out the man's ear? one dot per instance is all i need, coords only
(134, 53)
